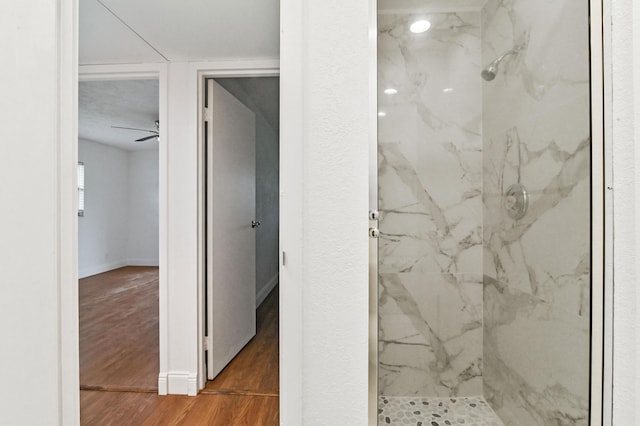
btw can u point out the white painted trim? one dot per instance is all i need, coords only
(143, 71)
(121, 71)
(607, 397)
(163, 384)
(178, 383)
(67, 250)
(266, 289)
(238, 68)
(143, 262)
(106, 267)
(597, 213)
(99, 269)
(373, 206)
(292, 105)
(198, 71)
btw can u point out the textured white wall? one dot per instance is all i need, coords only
(324, 138)
(623, 140)
(142, 216)
(102, 231)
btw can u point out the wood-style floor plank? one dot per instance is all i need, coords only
(119, 330)
(254, 371)
(130, 408)
(245, 393)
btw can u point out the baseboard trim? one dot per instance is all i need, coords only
(99, 269)
(162, 384)
(266, 289)
(143, 262)
(178, 383)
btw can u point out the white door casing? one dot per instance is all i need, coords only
(231, 310)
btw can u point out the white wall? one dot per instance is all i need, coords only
(179, 360)
(623, 136)
(120, 222)
(142, 233)
(324, 142)
(37, 303)
(325, 48)
(102, 231)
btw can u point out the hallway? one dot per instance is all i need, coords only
(119, 361)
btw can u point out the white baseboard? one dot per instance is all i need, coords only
(98, 269)
(143, 262)
(178, 383)
(106, 267)
(163, 387)
(266, 289)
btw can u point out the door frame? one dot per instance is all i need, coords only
(159, 72)
(202, 71)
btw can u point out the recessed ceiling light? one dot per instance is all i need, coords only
(448, 89)
(381, 113)
(420, 26)
(390, 91)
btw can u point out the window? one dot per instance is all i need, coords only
(80, 189)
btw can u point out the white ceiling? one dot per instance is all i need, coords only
(125, 31)
(143, 31)
(125, 103)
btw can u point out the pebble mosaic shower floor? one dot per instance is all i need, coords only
(414, 411)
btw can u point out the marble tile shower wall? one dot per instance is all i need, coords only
(536, 270)
(430, 182)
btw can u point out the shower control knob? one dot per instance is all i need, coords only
(374, 232)
(516, 201)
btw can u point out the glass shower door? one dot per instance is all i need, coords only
(484, 201)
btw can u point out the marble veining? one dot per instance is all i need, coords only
(471, 301)
(430, 182)
(430, 334)
(536, 132)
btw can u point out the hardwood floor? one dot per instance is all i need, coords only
(245, 393)
(131, 408)
(255, 370)
(119, 330)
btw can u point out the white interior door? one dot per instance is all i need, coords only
(231, 287)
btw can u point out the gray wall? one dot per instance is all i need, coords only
(267, 212)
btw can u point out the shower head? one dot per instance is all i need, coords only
(491, 70)
(489, 73)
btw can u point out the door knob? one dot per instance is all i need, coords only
(255, 224)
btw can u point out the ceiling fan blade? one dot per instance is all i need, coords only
(146, 138)
(133, 128)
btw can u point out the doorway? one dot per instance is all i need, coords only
(240, 147)
(118, 234)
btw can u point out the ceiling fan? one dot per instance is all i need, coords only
(156, 133)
